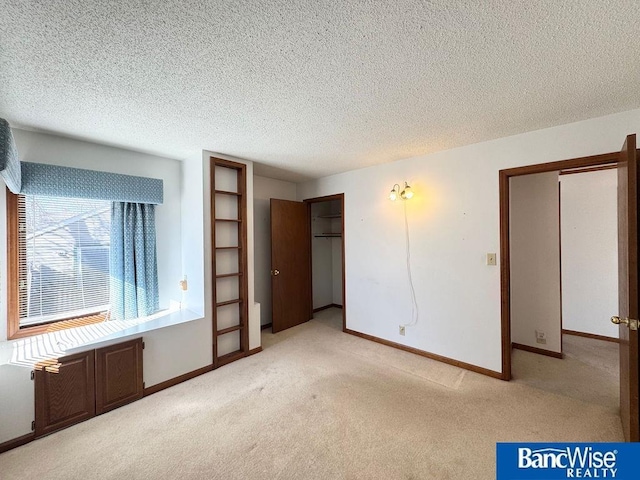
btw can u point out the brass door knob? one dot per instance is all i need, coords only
(617, 320)
(275, 273)
(631, 323)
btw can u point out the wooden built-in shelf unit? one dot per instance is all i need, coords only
(229, 237)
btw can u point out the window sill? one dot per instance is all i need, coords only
(28, 352)
(59, 325)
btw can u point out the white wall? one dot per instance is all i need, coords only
(535, 260)
(192, 228)
(454, 222)
(589, 233)
(263, 190)
(17, 402)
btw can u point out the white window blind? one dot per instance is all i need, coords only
(63, 258)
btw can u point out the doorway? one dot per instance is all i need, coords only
(628, 248)
(505, 239)
(327, 254)
(300, 231)
(564, 283)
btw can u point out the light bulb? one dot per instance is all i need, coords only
(407, 193)
(393, 196)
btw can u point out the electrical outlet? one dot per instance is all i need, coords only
(541, 337)
(402, 330)
(491, 259)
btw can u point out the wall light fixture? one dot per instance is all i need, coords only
(405, 194)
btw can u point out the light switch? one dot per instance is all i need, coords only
(491, 259)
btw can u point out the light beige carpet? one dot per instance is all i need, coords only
(588, 372)
(316, 404)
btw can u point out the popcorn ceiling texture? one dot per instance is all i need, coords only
(312, 87)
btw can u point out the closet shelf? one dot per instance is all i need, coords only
(228, 302)
(229, 330)
(225, 275)
(235, 220)
(226, 192)
(331, 215)
(228, 248)
(328, 235)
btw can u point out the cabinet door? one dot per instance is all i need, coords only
(118, 375)
(66, 397)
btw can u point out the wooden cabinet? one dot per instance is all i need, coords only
(66, 397)
(118, 375)
(88, 384)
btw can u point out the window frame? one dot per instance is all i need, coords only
(14, 331)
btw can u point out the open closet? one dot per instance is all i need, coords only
(326, 254)
(307, 259)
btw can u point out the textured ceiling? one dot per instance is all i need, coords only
(311, 88)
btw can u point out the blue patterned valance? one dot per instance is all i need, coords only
(9, 162)
(57, 181)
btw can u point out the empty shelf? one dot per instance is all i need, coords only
(228, 302)
(225, 192)
(225, 275)
(229, 330)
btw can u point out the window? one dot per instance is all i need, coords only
(59, 265)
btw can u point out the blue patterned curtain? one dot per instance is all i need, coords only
(9, 162)
(133, 267)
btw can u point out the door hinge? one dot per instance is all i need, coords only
(33, 425)
(143, 345)
(33, 374)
